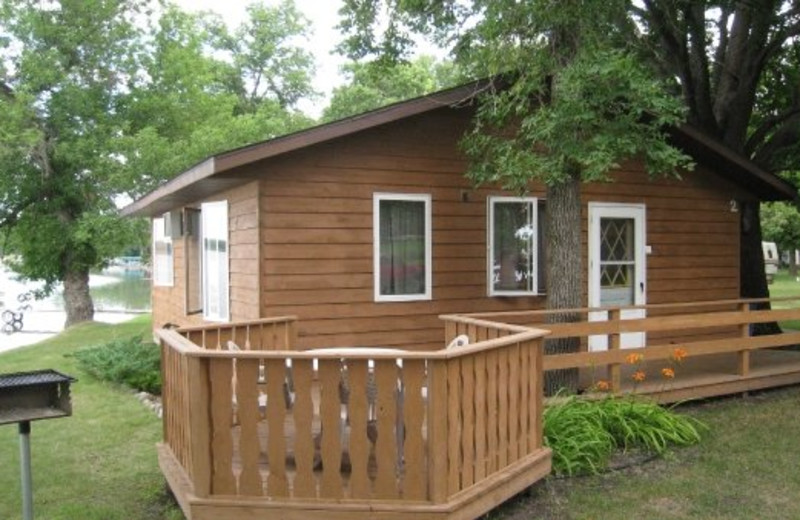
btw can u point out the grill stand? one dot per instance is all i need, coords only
(25, 469)
(26, 397)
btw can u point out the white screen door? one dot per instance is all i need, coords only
(617, 266)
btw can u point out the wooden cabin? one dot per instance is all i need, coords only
(311, 225)
(277, 259)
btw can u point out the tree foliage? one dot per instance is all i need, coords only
(780, 222)
(192, 100)
(373, 85)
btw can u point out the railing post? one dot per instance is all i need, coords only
(291, 335)
(437, 431)
(450, 331)
(199, 424)
(614, 316)
(744, 332)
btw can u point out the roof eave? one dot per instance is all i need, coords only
(765, 185)
(149, 206)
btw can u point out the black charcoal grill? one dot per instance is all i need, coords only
(31, 396)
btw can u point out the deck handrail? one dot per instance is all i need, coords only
(274, 333)
(472, 348)
(497, 315)
(238, 324)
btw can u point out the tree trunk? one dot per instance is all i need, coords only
(565, 283)
(792, 263)
(77, 300)
(752, 276)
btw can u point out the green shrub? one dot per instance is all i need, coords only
(573, 429)
(635, 423)
(130, 361)
(583, 434)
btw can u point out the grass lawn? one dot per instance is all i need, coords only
(745, 468)
(101, 462)
(784, 286)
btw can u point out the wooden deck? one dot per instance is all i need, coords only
(255, 429)
(263, 431)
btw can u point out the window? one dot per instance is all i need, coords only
(515, 245)
(193, 260)
(402, 244)
(162, 254)
(214, 229)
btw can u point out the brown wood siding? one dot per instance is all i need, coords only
(317, 249)
(169, 303)
(313, 208)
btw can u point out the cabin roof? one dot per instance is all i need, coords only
(214, 174)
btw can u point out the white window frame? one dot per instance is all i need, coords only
(218, 211)
(377, 198)
(533, 222)
(162, 278)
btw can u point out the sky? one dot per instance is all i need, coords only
(323, 15)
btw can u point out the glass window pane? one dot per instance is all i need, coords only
(402, 247)
(214, 222)
(616, 239)
(512, 239)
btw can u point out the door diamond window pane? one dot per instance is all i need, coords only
(616, 239)
(617, 261)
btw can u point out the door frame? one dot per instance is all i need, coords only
(638, 212)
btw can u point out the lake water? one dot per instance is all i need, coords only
(118, 296)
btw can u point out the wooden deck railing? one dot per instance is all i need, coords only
(263, 334)
(700, 328)
(283, 425)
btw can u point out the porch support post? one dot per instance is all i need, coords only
(199, 424)
(744, 332)
(614, 316)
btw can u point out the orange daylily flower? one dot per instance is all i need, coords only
(632, 359)
(679, 354)
(638, 376)
(668, 372)
(602, 386)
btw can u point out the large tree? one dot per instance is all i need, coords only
(735, 65)
(64, 65)
(569, 104)
(105, 97)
